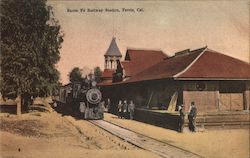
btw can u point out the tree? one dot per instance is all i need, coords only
(75, 75)
(30, 43)
(97, 73)
(118, 75)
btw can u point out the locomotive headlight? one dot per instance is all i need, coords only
(94, 96)
(93, 84)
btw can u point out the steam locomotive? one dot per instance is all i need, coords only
(85, 94)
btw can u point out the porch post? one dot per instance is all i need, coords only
(217, 93)
(246, 97)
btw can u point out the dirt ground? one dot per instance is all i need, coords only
(221, 143)
(51, 135)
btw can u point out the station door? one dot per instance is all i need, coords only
(231, 101)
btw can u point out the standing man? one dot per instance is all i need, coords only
(108, 105)
(87, 112)
(192, 117)
(181, 118)
(54, 105)
(125, 109)
(82, 109)
(131, 110)
(119, 108)
(101, 110)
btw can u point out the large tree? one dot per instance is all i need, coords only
(30, 43)
(98, 74)
(75, 75)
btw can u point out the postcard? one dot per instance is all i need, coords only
(135, 78)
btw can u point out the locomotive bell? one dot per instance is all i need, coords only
(94, 96)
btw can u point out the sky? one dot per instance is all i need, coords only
(169, 26)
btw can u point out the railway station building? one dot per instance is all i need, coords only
(214, 81)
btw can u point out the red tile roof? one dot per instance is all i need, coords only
(167, 68)
(107, 73)
(105, 84)
(199, 64)
(212, 64)
(139, 60)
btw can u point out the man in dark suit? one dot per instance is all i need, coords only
(192, 117)
(181, 119)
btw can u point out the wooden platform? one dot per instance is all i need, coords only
(225, 119)
(234, 119)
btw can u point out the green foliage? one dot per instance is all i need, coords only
(30, 43)
(75, 75)
(97, 73)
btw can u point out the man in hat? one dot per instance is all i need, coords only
(181, 118)
(120, 109)
(82, 109)
(192, 117)
(125, 109)
(131, 110)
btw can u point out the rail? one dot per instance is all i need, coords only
(161, 148)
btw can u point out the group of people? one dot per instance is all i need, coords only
(126, 110)
(191, 118)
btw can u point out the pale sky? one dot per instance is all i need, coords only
(169, 26)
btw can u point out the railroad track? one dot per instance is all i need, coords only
(147, 143)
